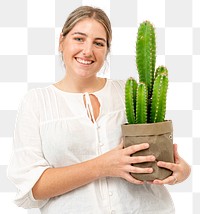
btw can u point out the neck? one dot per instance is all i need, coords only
(81, 85)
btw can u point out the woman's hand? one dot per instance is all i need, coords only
(181, 170)
(118, 162)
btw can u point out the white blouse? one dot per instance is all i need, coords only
(53, 130)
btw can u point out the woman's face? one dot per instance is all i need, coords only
(84, 48)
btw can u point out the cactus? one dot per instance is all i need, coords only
(146, 54)
(130, 98)
(141, 104)
(149, 105)
(161, 70)
(158, 105)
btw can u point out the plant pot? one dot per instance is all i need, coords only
(160, 139)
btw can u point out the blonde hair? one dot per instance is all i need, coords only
(88, 12)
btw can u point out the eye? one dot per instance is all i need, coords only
(99, 44)
(78, 39)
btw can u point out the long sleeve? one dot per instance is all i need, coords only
(27, 161)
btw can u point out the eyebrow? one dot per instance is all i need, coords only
(84, 34)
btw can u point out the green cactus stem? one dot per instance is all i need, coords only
(158, 106)
(148, 105)
(141, 105)
(146, 54)
(161, 70)
(130, 99)
(134, 94)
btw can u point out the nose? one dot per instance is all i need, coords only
(87, 49)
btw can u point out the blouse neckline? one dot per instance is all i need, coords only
(80, 93)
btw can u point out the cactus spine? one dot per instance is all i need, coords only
(149, 105)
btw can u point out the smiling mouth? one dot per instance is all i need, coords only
(84, 62)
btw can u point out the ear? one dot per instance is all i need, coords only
(61, 39)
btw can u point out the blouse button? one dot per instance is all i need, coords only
(113, 212)
(97, 126)
(101, 144)
(110, 193)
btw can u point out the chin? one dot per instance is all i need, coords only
(86, 74)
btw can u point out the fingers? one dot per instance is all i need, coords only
(135, 148)
(125, 161)
(171, 180)
(167, 165)
(133, 169)
(140, 159)
(131, 179)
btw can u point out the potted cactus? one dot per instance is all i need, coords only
(145, 104)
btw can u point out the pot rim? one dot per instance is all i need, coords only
(147, 129)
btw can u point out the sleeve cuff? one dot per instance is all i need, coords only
(30, 202)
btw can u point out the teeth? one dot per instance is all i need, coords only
(83, 61)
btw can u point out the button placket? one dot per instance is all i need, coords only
(112, 196)
(97, 128)
(100, 143)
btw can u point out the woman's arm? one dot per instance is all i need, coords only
(57, 181)
(115, 163)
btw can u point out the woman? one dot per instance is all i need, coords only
(68, 155)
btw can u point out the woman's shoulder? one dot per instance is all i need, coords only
(119, 84)
(116, 82)
(32, 95)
